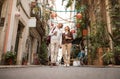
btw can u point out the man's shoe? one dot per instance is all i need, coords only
(54, 64)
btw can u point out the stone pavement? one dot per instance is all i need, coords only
(25, 66)
(60, 72)
(18, 66)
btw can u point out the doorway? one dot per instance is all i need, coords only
(18, 39)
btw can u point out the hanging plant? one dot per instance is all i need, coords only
(53, 15)
(36, 10)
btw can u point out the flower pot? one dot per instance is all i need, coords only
(25, 63)
(100, 53)
(53, 15)
(79, 16)
(10, 61)
(78, 25)
(72, 31)
(84, 32)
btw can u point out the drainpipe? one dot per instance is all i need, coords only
(8, 26)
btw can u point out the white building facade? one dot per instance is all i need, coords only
(16, 33)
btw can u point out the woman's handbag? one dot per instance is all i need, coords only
(48, 39)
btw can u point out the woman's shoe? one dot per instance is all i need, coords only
(68, 65)
(65, 65)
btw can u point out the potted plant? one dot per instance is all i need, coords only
(108, 58)
(42, 54)
(24, 60)
(117, 55)
(10, 58)
(99, 41)
(84, 32)
(78, 25)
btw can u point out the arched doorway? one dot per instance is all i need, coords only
(18, 42)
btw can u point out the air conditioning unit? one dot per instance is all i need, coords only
(32, 22)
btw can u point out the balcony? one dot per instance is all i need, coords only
(36, 12)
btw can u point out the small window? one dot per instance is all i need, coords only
(2, 20)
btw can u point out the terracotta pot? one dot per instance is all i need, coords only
(79, 16)
(85, 32)
(25, 63)
(100, 53)
(53, 15)
(78, 25)
(10, 61)
(72, 31)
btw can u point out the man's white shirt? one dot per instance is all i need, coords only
(58, 36)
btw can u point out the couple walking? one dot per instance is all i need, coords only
(60, 40)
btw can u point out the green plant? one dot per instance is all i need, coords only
(108, 58)
(43, 53)
(69, 3)
(98, 38)
(36, 10)
(116, 44)
(10, 58)
(115, 12)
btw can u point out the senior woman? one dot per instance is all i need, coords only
(67, 38)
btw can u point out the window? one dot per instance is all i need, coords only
(1, 18)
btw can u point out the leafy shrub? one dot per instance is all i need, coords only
(10, 58)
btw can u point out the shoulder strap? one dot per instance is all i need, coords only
(53, 29)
